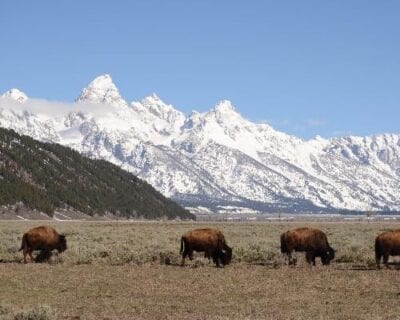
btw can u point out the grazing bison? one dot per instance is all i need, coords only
(387, 243)
(210, 241)
(313, 241)
(43, 238)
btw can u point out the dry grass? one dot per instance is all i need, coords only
(116, 271)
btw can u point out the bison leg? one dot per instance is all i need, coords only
(310, 257)
(26, 252)
(289, 258)
(30, 255)
(216, 258)
(292, 259)
(186, 252)
(386, 260)
(286, 255)
(184, 255)
(208, 255)
(378, 260)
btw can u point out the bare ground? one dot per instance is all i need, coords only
(170, 292)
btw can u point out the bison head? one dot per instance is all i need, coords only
(328, 256)
(62, 243)
(226, 255)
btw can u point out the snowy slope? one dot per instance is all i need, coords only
(215, 159)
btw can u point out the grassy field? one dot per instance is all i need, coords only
(121, 270)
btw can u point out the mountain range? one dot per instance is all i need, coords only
(215, 161)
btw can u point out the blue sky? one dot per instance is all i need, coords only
(306, 67)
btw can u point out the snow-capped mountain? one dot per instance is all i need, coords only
(102, 90)
(15, 94)
(216, 159)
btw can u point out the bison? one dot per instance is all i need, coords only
(210, 241)
(313, 241)
(387, 243)
(42, 238)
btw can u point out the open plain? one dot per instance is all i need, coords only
(130, 270)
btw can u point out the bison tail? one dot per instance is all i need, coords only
(283, 243)
(182, 245)
(23, 243)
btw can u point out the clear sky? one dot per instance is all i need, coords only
(306, 67)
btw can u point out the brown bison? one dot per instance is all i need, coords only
(387, 243)
(210, 241)
(43, 238)
(313, 241)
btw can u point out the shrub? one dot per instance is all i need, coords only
(256, 254)
(42, 312)
(5, 312)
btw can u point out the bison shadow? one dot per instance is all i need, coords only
(394, 265)
(366, 267)
(43, 256)
(9, 261)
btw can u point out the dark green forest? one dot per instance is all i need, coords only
(47, 176)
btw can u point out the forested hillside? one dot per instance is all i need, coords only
(47, 176)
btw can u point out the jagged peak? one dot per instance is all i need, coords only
(223, 111)
(193, 119)
(102, 89)
(103, 81)
(153, 105)
(155, 96)
(15, 94)
(224, 106)
(194, 113)
(152, 100)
